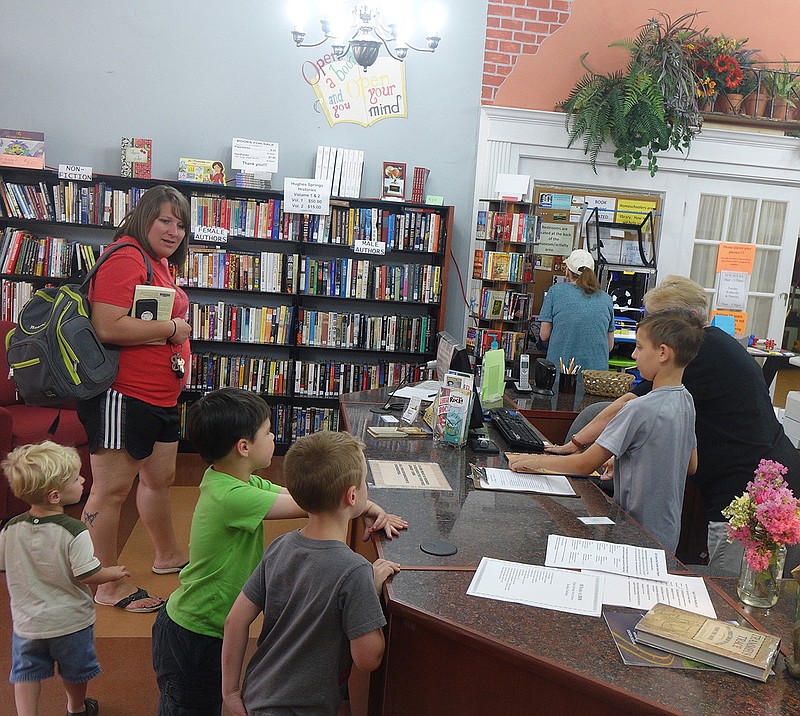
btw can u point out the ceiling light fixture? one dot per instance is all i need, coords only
(365, 32)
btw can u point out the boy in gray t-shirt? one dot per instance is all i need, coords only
(320, 600)
(652, 437)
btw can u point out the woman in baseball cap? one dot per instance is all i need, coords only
(577, 317)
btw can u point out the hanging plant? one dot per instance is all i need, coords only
(651, 106)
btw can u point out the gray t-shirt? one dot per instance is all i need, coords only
(317, 595)
(652, 438)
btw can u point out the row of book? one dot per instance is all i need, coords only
(502, 266)
(263, 272)
(409, 229)
(209, 371)
(480, 340)
(420, 177)
(289, 422)
(342, 168)
(360, 278)
(98, 204)
(242, 324)
(329, 379)
(15, 294)
(256, 218)
(26, 201)
(412, 334)
(23, 253)
(501, 305)
(512, 228)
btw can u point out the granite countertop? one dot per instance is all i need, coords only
(514, 526)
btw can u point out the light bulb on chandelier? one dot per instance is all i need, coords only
(366, 32)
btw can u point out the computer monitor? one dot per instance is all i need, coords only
(452, 355)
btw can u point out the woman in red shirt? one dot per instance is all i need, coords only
(133, 427)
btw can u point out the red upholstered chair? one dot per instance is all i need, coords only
(21, 424)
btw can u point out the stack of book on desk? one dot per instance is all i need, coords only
(737, 649)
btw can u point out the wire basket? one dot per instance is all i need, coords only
(609, 383)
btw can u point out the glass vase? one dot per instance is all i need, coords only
(760, 588)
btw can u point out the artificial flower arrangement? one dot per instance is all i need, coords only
(718, 64)
(765, 517)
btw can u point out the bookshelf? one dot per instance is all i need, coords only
(299, 308)
(501, 297)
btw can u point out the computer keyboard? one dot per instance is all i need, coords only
(517, 431)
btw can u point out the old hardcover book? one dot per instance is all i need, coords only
(740, 650)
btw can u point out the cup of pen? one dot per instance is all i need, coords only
(567, 382)
(568, 376)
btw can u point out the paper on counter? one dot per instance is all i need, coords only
(596, 520)
(558, 589)
(576, 553)
(688, 593)
(502, 479)
(424, 391)
(408, 475)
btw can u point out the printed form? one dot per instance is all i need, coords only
(689, 593)
(575, 553)
(558, 589)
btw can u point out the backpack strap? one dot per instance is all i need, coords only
(84, 287)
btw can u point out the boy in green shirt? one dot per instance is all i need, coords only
(230, 428)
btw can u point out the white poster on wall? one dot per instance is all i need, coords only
(605, 206)
(732, 290)
(555, 239)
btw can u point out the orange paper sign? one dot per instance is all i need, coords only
(739, 319)
(736, 257)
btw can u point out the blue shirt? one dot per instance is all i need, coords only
(581, 324)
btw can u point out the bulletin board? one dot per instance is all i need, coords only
(563, 208)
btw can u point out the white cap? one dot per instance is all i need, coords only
(579, 260)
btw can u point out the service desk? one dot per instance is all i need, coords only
(448, 653)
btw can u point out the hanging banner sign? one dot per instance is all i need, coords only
(348, 94)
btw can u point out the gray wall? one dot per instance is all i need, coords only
(193, 74)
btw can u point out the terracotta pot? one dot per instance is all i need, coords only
(728, 103)
(782, 110)
(754, 104)
(705, 105)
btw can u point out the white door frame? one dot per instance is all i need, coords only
(532, 142)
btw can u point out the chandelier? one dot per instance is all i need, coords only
(365, 31)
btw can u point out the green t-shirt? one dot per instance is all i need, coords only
(226, 544)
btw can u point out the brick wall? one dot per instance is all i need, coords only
(513, 28)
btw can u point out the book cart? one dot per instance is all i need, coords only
(286, 305)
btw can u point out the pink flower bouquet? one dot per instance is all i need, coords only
(765, 517)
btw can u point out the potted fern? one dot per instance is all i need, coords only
(649, 108)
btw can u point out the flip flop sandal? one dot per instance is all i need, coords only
(168, 570)
(130, 599)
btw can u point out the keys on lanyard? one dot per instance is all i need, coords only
(178, 365)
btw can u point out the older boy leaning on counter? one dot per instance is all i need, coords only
(652, 437)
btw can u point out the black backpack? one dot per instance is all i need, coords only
(54, 353)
